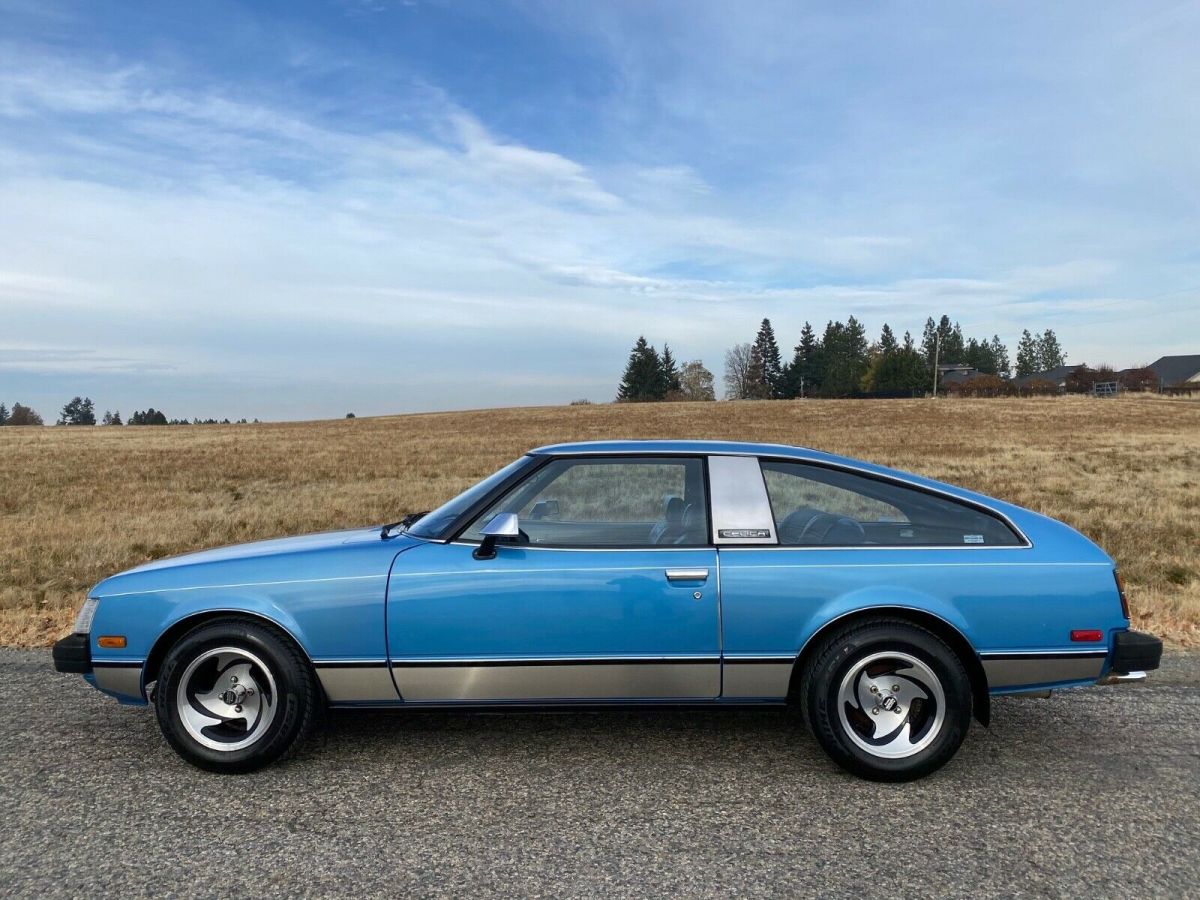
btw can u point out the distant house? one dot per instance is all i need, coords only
(956, 373)
(1057, 376)
(1172, 371)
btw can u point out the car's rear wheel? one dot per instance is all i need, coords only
(234, 695)
(887, 699)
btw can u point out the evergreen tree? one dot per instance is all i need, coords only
(1050, 353)
(1000, 357)
(643, 378)
(768, 352)
(951, 337)
(804, 373)
(23, 415)
(111, 418)
(978, 355)
(904, 370)
(929, 342)
(1028, 356)
(3, 414)
(844, 354)
(151, 416)
(670, 372)
(908, 341)
(757, 387)
(957, 345)
(887, 341)
(79, 411)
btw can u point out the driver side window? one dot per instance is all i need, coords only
(608, 502)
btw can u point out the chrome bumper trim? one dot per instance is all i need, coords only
(1123, 678)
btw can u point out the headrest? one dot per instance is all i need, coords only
(673, 510)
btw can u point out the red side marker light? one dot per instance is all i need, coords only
(1087, 635)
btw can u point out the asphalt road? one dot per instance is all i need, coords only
(1089, 793)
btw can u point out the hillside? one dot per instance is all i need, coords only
(77, 504)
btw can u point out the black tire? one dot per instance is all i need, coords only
(289, 704)
(848, 666)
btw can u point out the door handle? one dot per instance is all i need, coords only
(687, 574)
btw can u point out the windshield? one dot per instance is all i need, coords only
(431, 525)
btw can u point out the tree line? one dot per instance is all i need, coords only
(650, 375)
(840, 362)
(82, 411)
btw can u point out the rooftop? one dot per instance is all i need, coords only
(1172, 370)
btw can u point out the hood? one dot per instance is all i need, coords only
(304, 543)
(351, 553)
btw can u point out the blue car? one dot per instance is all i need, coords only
(886, 607)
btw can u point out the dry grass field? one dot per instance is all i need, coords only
(77, 504)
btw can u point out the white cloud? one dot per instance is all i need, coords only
(756, 172)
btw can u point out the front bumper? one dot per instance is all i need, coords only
(73, 654)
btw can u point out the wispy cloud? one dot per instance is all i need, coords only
(532, 203)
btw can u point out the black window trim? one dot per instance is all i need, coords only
(1025, 542)
(454, 533)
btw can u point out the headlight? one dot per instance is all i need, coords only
(83, 621)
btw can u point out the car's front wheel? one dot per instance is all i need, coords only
(234, 695)
(887, 699)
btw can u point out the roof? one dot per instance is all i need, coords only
(1172, 370)
(1058, 375)
(743, 448)
(958, 377)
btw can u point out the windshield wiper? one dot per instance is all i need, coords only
(405, 523)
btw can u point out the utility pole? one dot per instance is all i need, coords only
(937, 351)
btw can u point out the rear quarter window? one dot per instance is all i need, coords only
(820, 506)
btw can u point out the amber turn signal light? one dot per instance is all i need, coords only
(111, 641)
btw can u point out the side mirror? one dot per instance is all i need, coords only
(501, 525)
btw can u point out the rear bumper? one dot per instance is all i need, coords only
(73, 654)
(1135, 651)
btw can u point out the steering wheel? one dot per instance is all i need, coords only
(820, 526)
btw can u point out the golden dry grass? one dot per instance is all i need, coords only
(77, 504)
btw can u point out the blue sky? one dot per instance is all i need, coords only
(295, 209)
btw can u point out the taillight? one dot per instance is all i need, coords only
(1121, 591)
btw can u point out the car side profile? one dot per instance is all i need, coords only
(886, 607)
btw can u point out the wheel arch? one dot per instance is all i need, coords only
(954, 638)
(178, 629)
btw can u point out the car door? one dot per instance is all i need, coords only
(610, 592)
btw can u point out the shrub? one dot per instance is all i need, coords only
(1039, 387)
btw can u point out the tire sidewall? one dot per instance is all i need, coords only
(824, 688)
(290, 688)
